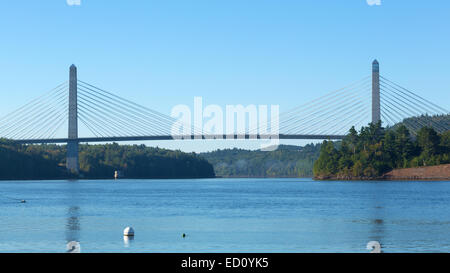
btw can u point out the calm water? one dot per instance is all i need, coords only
(225, 215)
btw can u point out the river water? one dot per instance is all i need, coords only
(224, 215)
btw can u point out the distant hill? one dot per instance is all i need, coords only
(286, 161)
(440, 123)
(297, 161)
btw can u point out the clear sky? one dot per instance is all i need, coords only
(163, 53)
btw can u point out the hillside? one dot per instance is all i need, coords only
(440, 123)
(36, 162)
(374, 151)
(286, 161)
(139, 161)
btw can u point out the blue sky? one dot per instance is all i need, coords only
(163, 53)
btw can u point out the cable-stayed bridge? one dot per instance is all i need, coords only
(108, 117)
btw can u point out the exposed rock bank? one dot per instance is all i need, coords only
(439, 172)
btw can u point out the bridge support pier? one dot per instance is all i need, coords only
(72, 162)
(376, 112)
(72, 156)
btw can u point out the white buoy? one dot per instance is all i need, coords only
(128, 231)
(73, 247)
(375, 246)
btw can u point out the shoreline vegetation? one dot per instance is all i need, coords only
(47, 162)
(376, 153)
(373, 153)
(285, 162)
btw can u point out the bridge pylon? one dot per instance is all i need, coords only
(376, 112)
(72, 162)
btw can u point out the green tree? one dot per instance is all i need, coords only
(428, 140)
(374, 151)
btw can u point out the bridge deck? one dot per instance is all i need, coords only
(168, 137)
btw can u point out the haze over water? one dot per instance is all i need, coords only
(225, 215)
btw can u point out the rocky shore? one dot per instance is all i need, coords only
(439, 172)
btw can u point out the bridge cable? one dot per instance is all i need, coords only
(81, 118)
(355, 102)
(45, 119)
(419, 111)
(315, 106)
(409, 106)
(139, 107)
(36, 121)
(136, 114)
(335, 103)
(324, 113)
(423, 99)
(119, 123)
(124, 112)
(121, 113)
(409, 98)
(401, 117)
(29, 112)
(346, 88)
(31, 117)
(59, 124)
(362, 117)
(359, 109)
(26, 106)
(100, 124)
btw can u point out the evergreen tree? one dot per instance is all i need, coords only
(374, 151)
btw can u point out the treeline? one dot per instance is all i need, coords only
(139, 161)
(99, 161)
(374, 151)
(286, 161)
(20, 162)
(440, 123)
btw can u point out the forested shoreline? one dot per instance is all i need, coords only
(374, 151)
(286, 161)
(38, 162)
(368, 154)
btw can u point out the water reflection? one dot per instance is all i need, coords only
(128, 241)
(73, 226)
(377, 216)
